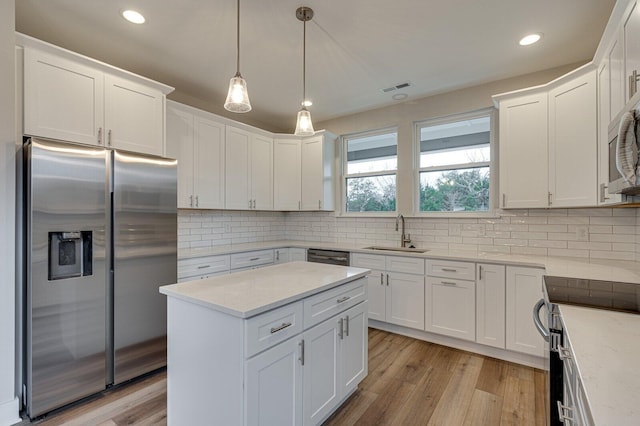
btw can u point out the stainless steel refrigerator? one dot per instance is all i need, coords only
(100, 238)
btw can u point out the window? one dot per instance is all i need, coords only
(370, 165)
(455, 163)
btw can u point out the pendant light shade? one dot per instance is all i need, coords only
(304, 126)
(237, 97)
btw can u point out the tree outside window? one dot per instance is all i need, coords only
(455, 163)
(370, 166)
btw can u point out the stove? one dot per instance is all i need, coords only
(610, 295)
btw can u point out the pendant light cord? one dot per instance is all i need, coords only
(238, 41)
(304, 61)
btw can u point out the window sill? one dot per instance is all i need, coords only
(458, 215)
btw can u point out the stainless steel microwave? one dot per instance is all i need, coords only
(617, 184)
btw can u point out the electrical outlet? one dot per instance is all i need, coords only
(582, 233)
(227, 227)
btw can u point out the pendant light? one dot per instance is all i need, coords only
(237, 98)
(304, 126)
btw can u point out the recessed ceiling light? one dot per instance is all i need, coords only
(530, 39)
(399, 96)
(133, 16)
(307, 103)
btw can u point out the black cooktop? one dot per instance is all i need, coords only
(609, 295)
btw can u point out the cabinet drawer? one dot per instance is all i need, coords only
(407, 265)
(451, 269)
(252, 258)
(368, 261)
(199, 266)
(270, 328)
(331, 302)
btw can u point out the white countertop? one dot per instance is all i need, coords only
(248, 293)
(595, 269)
(606, 345)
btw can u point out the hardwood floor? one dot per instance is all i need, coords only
(410, 382)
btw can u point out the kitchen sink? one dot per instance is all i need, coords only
(402, 249)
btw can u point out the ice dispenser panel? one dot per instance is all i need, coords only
(70, 254)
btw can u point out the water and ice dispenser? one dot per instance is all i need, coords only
(70, 254)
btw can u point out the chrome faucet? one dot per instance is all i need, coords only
(404, 239)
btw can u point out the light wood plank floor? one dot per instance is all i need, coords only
(410, 382)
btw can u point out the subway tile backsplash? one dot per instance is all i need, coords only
(603, 233)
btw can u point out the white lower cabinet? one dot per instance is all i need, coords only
(450, 307)
(405, 299)
(274, 386)
(290, 254)
(335, 361)
(523, 290)
(396, 288)
(490, 305)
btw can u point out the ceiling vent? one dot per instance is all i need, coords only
(396, 87)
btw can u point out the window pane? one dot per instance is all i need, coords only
(458, 142)
(475, 154)
(374, 153)
(371, 194)
(455, 190)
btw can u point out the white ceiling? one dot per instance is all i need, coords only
(355, 48)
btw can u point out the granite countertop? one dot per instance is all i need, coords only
(248, 293)
(595, 269)
(606, 346)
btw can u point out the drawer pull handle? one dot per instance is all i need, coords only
(341, 330)
(204, 266)
(282, 327)
(448, 283)
(449, 270)
(343, 299)
(346, 330)
(253, 259)
(301, 352)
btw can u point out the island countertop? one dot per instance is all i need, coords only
(248, 293)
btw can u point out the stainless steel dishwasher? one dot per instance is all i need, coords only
(333, 257)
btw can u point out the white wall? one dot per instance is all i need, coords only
(8, 400)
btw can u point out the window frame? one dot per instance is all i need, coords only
(492, 163)
(344, 175)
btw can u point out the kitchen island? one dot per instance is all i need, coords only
(286, 344)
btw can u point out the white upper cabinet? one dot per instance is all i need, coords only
(287, 177)
(198, 143)
(261, 168)
(616, 83)
(318, 172)
(548, 143)
(523, 151)
(573, 143)
(631, 31)
(133, 116)
(604, 118)
(63, 99)
(237, 162)
(73, 98)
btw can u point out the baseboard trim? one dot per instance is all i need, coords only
(10, 412)
(503, 354)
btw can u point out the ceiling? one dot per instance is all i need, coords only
(355, 48)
